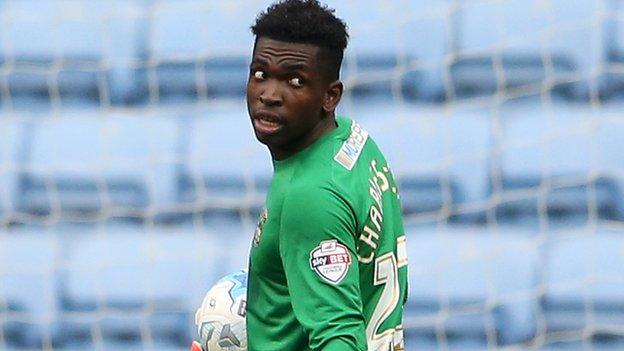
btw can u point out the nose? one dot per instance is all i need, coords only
(270, 95)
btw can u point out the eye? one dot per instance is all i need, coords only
(259, 74)
(296, 82)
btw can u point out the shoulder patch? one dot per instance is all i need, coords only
(352, 147)
(331, 261)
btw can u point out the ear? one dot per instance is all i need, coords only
(332, 96)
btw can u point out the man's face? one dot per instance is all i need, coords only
(285, 95)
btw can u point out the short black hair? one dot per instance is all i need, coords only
(306, 22)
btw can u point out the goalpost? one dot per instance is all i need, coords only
(130, 180)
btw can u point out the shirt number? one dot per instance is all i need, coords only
(386, 274)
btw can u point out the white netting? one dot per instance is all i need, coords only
(130, 180)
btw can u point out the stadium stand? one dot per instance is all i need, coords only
(59, 52)
(141, 280)
(10, 132)
(88, 166)
(584, 285)
(234, 175)
(194, 58)
(130, 180)
(496, 269)
(615, 52)
(442, 153)
(381, 59)
(519, 38)
(550, 148)
(28, 295)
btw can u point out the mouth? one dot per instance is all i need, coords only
(266, 123)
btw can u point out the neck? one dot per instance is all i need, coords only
(325, 126)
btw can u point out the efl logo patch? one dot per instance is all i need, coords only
(264, 215)
(352, 147)
(331, 261)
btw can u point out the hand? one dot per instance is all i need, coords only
(195, 346)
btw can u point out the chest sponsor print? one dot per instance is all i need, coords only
(351, 149)
(331, 261)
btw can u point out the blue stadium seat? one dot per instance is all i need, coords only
(397, 43)
(610, 159)
(583, 281)
(28, 294)
(617, 28)
(130, 278)
(99, 166)
(563, 154)
(427, 195)
(226, 169)
(171, 267)
(10, 137)
(447, 150)
(507, 41)
(83, 49)
(614, 32)
(471, 283)
(207, 54)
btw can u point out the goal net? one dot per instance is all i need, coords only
(130, 179)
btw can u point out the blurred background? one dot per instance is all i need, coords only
(130, 180)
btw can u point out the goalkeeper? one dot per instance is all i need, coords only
(328, 265)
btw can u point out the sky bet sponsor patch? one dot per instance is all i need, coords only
(331, 261)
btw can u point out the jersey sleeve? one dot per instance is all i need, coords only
(318, 251)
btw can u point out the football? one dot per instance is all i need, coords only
(220, 319)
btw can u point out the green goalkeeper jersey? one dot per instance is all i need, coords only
(328, 263)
